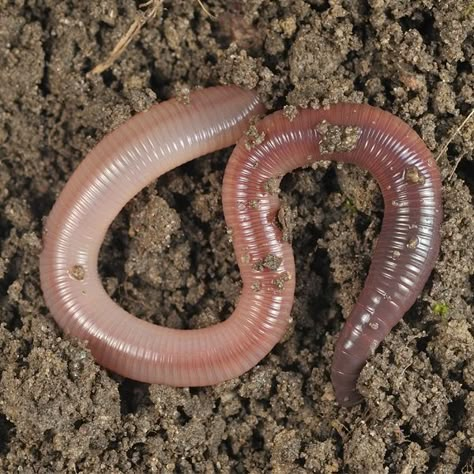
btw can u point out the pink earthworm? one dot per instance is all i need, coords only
(409, 241)
(172, 133)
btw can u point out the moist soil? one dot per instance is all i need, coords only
(167, 257)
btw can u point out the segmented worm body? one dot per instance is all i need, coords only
(409, 241)
(172, 133)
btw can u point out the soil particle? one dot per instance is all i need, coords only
(286, 449)
(413, 176)
(52, 387)
(320, 456)
(272, 186)
(18, 213)
(253, 204)
(271, 262)
(453, 346)
(290, 112)
(279, 282)
(77, 272)
(253, 137)
(153, 227)
(409, 387)
(365, 451)
(167, 257)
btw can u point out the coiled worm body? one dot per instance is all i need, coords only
(409, 241)
(172, 133)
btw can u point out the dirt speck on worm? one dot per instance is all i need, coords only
(413, 175)
(78, 272)
(183, 94)
(413, 243)
(253, 204)
(290, 112)
(253, 137)
(337, 138)
(272, 186)
(270, 262)
(279, 282)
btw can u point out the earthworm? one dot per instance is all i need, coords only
(409, 241)
(172, 133)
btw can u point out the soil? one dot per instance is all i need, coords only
(61, 412)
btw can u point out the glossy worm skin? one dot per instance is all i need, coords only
(172, 133)
(409, 241)
(148, 145)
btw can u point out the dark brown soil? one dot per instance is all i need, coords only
(60, 412)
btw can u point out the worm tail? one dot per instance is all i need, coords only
(409, 241)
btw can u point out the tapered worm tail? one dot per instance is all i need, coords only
(409, 241)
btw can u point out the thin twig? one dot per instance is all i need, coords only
(206, 11)
(152, 7)
(451, 138)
